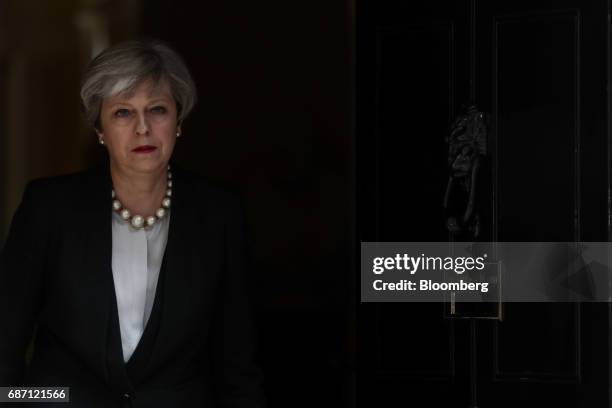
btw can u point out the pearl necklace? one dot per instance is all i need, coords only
(138, 221)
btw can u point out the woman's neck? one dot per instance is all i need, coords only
(141, 193)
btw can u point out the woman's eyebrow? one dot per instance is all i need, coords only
(114, 104)
(157, 100)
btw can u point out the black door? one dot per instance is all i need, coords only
(540, 71)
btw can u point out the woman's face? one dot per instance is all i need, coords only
(139, 128)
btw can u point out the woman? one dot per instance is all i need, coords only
(132, 273)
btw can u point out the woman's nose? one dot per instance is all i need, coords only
(142, 126)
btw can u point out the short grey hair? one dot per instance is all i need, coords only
(123, 66)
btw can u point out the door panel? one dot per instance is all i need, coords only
(536, 92)
(540, 71)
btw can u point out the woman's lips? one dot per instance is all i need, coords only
(144, 149)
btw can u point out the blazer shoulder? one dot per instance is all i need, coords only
(60, 186)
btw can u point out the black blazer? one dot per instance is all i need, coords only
(55, 274)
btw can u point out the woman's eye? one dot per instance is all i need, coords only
(158, 109)
(122, 113)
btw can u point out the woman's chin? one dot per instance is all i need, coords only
(146, 165)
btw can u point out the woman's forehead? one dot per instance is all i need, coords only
(147, 88)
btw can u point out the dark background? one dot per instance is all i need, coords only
(273, 121)
(539, 70)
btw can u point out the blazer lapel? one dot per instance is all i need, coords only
(189, 268)
(177, 279)
(97, 285)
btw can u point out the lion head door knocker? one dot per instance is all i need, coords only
(467, 148)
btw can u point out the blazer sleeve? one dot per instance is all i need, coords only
(237, 377)
(21, 276)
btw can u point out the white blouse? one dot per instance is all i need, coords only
(136, 262)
